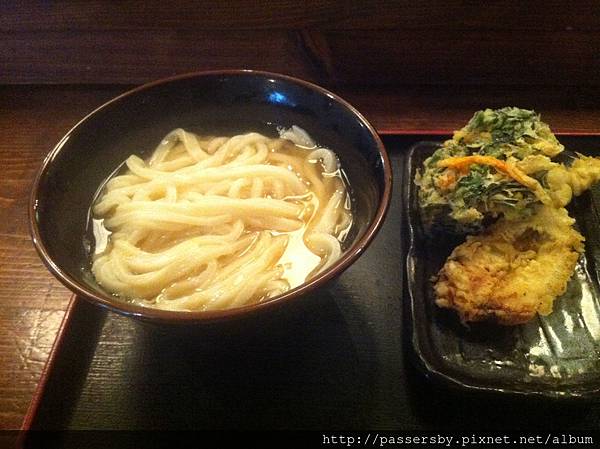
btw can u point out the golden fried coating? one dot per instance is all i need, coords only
(566, 182)
(512, 271)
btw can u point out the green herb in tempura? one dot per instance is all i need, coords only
(461, 199)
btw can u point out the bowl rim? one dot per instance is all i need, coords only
(170, 316)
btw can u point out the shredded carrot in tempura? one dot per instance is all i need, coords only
(461, 164)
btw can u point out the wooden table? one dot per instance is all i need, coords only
(34, 118)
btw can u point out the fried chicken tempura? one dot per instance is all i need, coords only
(512, 271)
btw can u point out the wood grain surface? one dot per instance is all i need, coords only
(32, 302)
(371, 42)
(285, 14)
(391, 59)
(34, 118)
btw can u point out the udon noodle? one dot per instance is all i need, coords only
(217, 223)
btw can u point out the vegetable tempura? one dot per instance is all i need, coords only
(513, 270)
(496, 178)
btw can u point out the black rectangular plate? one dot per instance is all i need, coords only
(555, 356)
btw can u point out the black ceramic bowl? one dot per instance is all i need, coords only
(227, 103)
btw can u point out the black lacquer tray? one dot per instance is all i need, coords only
(556, 356)
(338, 360)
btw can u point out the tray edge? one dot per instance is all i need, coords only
(49, 365)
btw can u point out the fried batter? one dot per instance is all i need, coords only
(512, 271)
(492, 167)
(566, 182)
(499, 169)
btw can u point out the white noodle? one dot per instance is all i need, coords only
(297, 135)
(204, 223)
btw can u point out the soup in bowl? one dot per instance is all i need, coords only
(210, 195)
